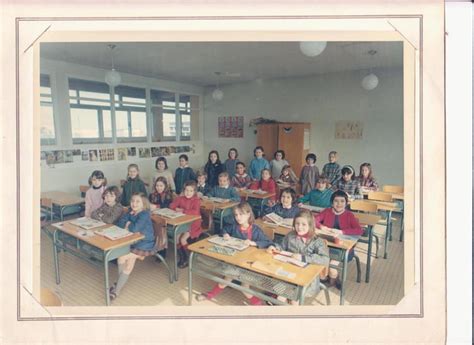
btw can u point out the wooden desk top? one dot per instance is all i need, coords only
(396, 196)
(187, 218)
(62, 198)
(384, 205)
(367, 219)
(250, 193)
(266, 265)
(212, 205)
(98, 241)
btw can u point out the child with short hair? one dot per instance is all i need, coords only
(305, 246)
(188, 203)
(224, 190)
(161, 196)
(161, 166)
(241, 180)
(137, 219)
(366, 179)
(286, 208)
(132, 185)
(320, 196)
(213, 168)
(332, 170)
(266, 184)
(111, 210)
(231, 162)
(341, 220)
(203, 188)
(287, 178)
(348, 183)
(309, 174)
(277, 164)
(183, 173)
(245, 229)
(258, 164)
(93, 199)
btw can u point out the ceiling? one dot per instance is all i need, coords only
(196, 62)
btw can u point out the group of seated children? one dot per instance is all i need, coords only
(329, 190)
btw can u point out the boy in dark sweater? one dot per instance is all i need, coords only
(183, 173)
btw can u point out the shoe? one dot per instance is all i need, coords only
(255, 301)
(184, 259)
(202, 297)
(180, 257)
(112, 293)
(338, 284)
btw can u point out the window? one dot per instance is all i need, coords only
(130, 114)
(188, 110)
(91, 120)
(47, 130)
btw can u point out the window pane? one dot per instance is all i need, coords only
(185, 126)
(47, 122)
(184, 102)
(84, 123)
(95, 95)
(92, 102)
(169, 125)
(129, 94)
(121, 123)
(107, 122)
(138, 124)
(163, 98)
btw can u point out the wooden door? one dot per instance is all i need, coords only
(267, 137)
(291, 140)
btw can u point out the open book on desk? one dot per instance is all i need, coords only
(168, 213)
(234, 243)
(114, 232)
(290, 260)
(215, 199)
(276, 219)
(87, 223)
(312, 208)
(330, 235)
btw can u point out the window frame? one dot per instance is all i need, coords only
(48, 141)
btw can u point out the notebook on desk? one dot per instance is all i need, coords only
(114, 233)
(276, 219)
(168, 213)
(87, 223)
(312, 208)
(234, 243)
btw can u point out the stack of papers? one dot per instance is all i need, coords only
(234, 243)
(290, 260)
(87, 223)
(168, 213)
(312, 208)
(285, 222)
(114, 233)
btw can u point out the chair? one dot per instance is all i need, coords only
(397, 190)
(393, 189)
(384, 197)
(366, 207)
(83, 189)
(269, 233)
(50, 299)
(47, 206)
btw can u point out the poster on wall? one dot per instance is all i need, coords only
(122, 153)
(132, 151)
(93, 157)
(144, 152)
(68, 156)
(85, 155)
(231, 126)
(349, 129)
(155, 152)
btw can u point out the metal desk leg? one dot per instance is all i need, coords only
(387, 234)
(190, 279)
(326, 293)
(389, 224)
(61, 212)
(369, 253)
(344, 273)
(55, 255)
(301, 293)
(175, 247)
(106, 277)
(402, 227)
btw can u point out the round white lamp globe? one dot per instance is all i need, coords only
(312, 49)
(217, 95)
(113, 78)
(370, 82)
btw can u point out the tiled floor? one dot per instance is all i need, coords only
(82, 283)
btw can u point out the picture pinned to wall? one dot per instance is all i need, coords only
(76, 152)
(106, 154)
(132, 151)
(93, 157)
(155, 152)
(349, 130)
(85, 155)
(50, 158)
(144, 152)
(231, 126)
(43, 155)
(164, 151)
(122, 153)
(59, 156)
(179, 149)
(172, 149)
(68, 156)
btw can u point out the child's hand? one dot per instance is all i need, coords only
(300, 204)
(153, 207)
(226, 237)
(271, 250)
(337, 231)
(297, 257)
(127, 224)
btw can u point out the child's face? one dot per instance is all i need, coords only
(285, 172)
(132, 172)
(278, 156)
(240, 169)
(321, 185)
(286, 200)
(242, 218)
(189, 192)
(160, 187)
(109, 199)
(232, 154)
(365, 172)
(310, 161)
(136, 203)
(201, 179)
(301, 226)
(97, 182)
(339, 204)
(332, 158)
(213, 157)
(161, 165)
(223, 181)
(258, 153)
(347, 176)
(266, 175)
(182, 162)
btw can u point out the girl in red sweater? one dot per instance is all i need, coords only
(188, 203)
(267, 184)
(337, 218)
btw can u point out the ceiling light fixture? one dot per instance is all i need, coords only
(112, 77)
(312, 49)
(370, 81)
(217, 94)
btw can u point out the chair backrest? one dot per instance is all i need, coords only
(380, 196)
(46, 202)
(49, 298)
(393, 189)
(363, 206)
(270, 233)
(83, 189)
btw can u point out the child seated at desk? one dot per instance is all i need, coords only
(340, 220)
(137, 219)
(93, 199)
(366, 179)
(241, 180)
(267, 184)
(188, 203)
(348, 183)
(286, 208)
(247, 230)
(203, 187)
(305, 246)
(224, 190)
(320, 196)
(111, 210)
(161, 197)
(287, 178)
(132, 185)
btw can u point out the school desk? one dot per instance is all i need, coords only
(61, 200)
(257, 268)
(176, 227)
(388, 208)
(97, 250)
(219, 210)
(256, 200)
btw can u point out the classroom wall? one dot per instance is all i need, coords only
(320, 100)
(68, 176)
